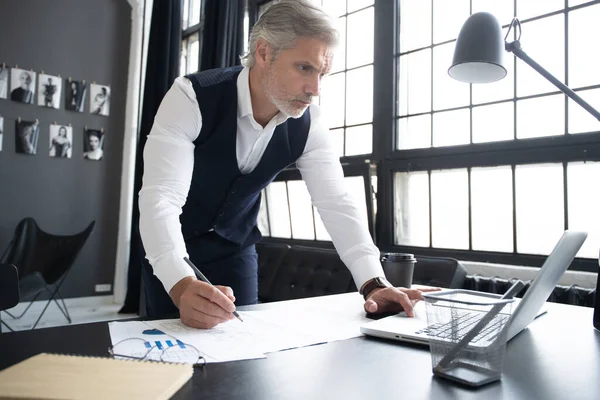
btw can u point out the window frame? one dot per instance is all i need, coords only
(187, 33)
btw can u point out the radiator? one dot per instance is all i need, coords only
(561, 294)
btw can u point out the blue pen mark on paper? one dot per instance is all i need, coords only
(180, 343)
(152, 332)
(169, 343)
(159, 345)
(148, 345)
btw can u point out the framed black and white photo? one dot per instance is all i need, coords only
(61, 141)
(26, 136)
(93, 143)
(49, 91)
(99, 99)
(75, 92)
(3, 81)
(1, 131)
(22, 86)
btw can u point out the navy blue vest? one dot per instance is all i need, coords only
(221, 198)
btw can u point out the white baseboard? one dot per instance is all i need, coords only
(91, 301)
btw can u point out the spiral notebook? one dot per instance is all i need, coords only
(57, 376)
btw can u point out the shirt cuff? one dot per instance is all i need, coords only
(366, 268)
(170, 269)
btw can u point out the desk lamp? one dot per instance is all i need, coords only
(478, 58)
(478, 55)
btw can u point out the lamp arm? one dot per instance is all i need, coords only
(515, 48)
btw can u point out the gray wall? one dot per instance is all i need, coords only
(82, 39)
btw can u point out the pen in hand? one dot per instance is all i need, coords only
(201, 276)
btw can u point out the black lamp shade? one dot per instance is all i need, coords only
(479, 51)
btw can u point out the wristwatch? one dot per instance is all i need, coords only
(372, 284)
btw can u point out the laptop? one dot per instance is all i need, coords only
(414, 330)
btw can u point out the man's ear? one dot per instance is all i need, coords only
(263, 51)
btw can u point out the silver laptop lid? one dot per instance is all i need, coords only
(544, 283)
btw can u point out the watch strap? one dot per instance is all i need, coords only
(372, 284)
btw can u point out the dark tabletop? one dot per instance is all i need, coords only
(557, 357)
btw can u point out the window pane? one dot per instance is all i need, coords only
(183, 60)
(541, 116)
(337, 139)
(584, 200)
(450, 209)
(301, 211)
(195, 12)
(415, 24)
(503, 89)
(448, 18)
(359, 98)
(279, 213)
(543, 40)
(322, 233)
(577, 2)
(492, 209)
(194, 54)
(540, 207)
(447, 92)
(579, 119)
(359, 140)
(334, 7)
(332, 99)
(339, 55)
(360, 38)
(502, 9)
(414, 132)
(356, 189)
(411, 209)
(263, 218)
(186, 13)
(354, 5)
(584, 34)
(533, 8)
(414, 83)
(451, 128)
(494, 123)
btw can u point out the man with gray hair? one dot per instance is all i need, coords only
(218, 139)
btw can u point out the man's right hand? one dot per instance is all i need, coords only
(202, 305)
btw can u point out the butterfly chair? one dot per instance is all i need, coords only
(43, 261)
(9, 289)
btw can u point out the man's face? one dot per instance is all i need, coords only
(293, 78)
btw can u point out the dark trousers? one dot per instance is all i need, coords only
(221, 261)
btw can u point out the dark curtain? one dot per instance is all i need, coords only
(164, 52)
(223, 36)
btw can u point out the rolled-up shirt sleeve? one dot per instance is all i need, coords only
(321, 170)
(168, 167)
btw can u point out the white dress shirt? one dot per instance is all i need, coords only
(169, 163)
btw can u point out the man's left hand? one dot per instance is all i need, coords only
(395, 300)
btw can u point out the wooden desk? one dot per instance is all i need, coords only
(557, 357)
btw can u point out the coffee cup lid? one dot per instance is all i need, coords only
(398, 257)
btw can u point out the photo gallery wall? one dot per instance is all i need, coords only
(29, 87)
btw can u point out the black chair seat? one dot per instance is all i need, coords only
(43, 261)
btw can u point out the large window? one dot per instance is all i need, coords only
(496, 171)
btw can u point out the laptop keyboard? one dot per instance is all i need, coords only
(457, 328)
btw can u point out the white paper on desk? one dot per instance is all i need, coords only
(135, 329)
(227, 341)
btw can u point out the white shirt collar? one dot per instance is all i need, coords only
(245, 101)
